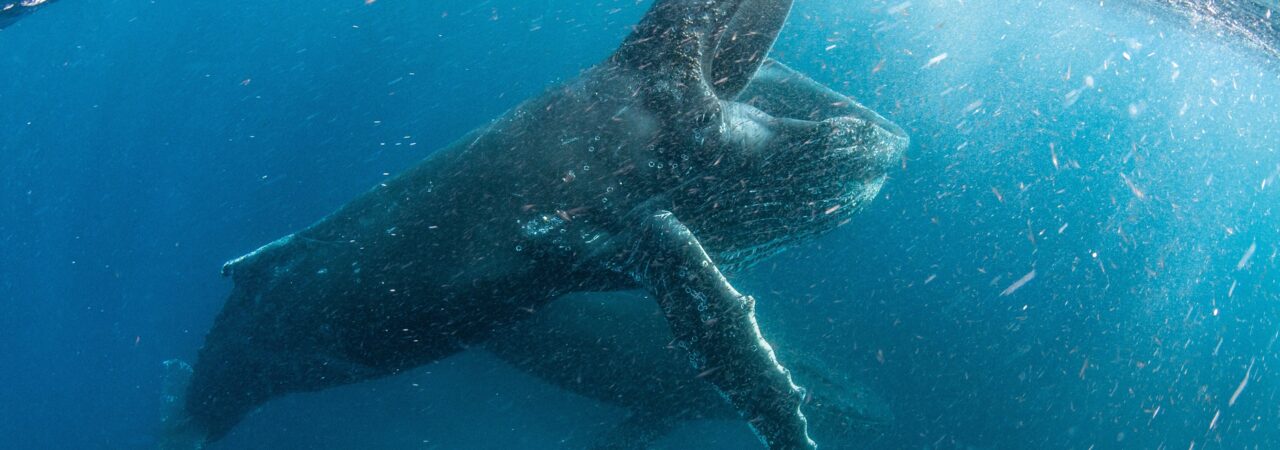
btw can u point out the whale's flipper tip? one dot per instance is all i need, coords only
(178, 431)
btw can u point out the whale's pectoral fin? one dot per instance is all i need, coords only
(637, 431)
(178, 431)
(721, 43)
(718, 327)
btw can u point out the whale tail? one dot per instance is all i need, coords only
(178, 430)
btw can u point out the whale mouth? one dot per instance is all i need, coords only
(855, 110)
(793, 97)
(815, 131)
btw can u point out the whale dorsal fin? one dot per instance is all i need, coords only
(721, 42)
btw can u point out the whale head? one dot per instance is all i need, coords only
(776, 156)
(796, 160)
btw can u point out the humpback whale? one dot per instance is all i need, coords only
(682, 157)
(613, 348)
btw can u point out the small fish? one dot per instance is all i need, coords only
(1248, 254)
(1018, 284)
(935, 60)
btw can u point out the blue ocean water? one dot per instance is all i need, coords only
(1079, 250)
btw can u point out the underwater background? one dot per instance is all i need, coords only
(1079, 250)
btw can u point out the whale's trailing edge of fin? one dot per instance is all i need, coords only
(178, 431)
(722, 42)
(637, 432)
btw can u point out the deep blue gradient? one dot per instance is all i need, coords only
(1128, 160)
